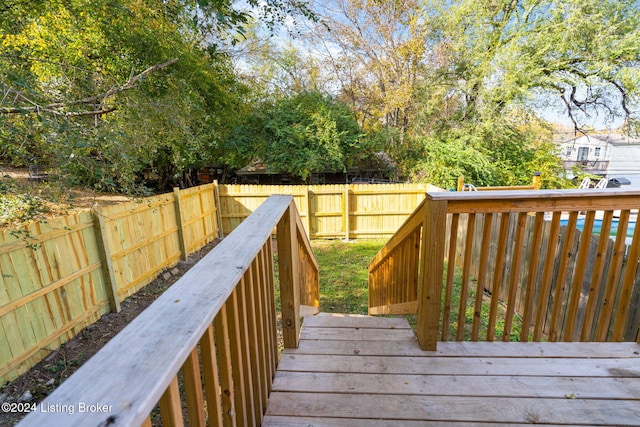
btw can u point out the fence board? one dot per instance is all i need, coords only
(52, 286)
(57, 275)
(331, 211)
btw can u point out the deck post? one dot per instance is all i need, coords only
(288, 265)
(431, 272)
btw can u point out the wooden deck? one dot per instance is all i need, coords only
(365, 371)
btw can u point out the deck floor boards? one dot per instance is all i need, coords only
(364, 371)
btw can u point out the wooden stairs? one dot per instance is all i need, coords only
(354, 370)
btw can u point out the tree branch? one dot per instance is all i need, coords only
(54, 108)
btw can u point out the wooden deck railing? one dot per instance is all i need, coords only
(207, 349)
(573, 282)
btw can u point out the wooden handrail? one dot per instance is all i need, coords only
(227, 295)
(560, 283)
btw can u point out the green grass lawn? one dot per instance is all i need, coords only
(344, 273)
(344, 285)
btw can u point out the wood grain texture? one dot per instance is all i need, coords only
(147, 354)
(330, 211)
(353, 380)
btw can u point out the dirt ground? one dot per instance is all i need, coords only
(54, 198)
(42, 379)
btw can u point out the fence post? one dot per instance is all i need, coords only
(105, 255)
(345, 195)
(183, 243)
(307, 204)
(216, 200)
(536, 181)
(431, 272)
(288, 265)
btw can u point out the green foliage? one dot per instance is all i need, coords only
(487, 154)
(305, 133)
(504, 53)
(110, 92)
(18, 207)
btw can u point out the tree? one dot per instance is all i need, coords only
(109, 90)
(377, 52)
(301, 134)
(469, 74)
(510, 53)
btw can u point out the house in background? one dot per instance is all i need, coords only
(610, 155)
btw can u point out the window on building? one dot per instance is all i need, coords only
(568, 153)
(597, 152)
(583, 154)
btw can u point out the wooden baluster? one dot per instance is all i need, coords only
(532, 276)
(497, 275)
(211, 377)
(254, 349)
(627, 286)
(466, 273)
(263, 340)
(579, 271)
(596, 277)
(245, 354)
(615, 271)
(193, 390)
(451, 266)
(170, 406)
(560, 292)
(221, 329)
(547, 277)
(482, 275)
(270, 296)
(514, 280)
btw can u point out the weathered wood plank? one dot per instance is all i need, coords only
(449, 408)
(327, 320)
(357, 334)
(460, 385)
(455, 349)
(172, 327)
(399, 308)
(625, 368)
(431, 275)
(284, 421)
(537, 201)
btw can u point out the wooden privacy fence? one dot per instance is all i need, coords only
(331, 211)
(560, 283)
(215, 329)
(61, 275)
